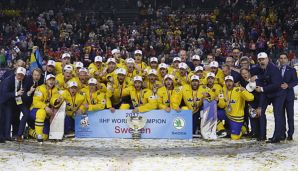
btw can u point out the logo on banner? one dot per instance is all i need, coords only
(84, 121)
(179, 123)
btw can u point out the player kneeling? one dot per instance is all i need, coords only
(234, 102)
(142, 100)
(42, 110)
(75, 104)
(96, 100)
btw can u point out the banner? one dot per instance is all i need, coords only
(160, 124)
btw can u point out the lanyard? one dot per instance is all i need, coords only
(139, 100)
(90, 96)
(73, 99)
(119, 85)
(49, 94)
(194, 97)
(169, 93)
(227, 94)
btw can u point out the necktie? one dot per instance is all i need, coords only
(283, 69)
(19, 86)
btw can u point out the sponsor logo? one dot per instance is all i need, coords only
(179, 123)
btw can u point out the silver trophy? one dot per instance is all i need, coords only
(136, 123)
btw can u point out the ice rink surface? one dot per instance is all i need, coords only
(126, 154)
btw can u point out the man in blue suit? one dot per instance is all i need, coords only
(13, 95)
(271, 81)
(289, 80)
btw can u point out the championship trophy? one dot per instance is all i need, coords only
(136, 123)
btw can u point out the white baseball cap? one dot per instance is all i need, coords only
(262, 55)
(194, 77)
(153, 59)
(51, 63)
(79, 65)
(83, 70)
(65, 55)
(92, 81)
(72, 84)
(49, 76)
(68, 68)
(98, 59)
(115, 51)
(199, 68)
(138, 52)
(177, 59)
(21, 70)
(182, 65)
(130, 60)
(121, 71)
(152, 71)
(111, 60)
(196, 57)
(229, 77)
(210, 74)
(213, 64)
(137, 78)
(169, 76)
(163, 65)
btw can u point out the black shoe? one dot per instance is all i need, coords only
(261, 138)
(252, 135)
(2, 140)
(273, 140)
(290, 138)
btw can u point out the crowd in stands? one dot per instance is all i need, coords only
(162, 32)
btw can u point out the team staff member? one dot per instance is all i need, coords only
(250, 84)
(75, 104)
(115, 90)
(142, 100)
(166, 95)
(41, 110)
(96, 100)
(289, 80)
(233, 101)
(13, 97)
(60, 65)
(271, 79)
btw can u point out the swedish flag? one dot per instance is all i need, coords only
(35, 59)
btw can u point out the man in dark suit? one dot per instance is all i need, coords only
(289, 80)
(270, 77)
(13, 97)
